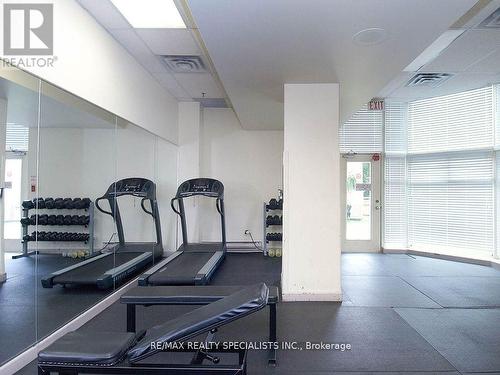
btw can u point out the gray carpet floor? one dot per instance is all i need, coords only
(401, 315)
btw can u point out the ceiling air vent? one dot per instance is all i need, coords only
(185, 64)
(212, 102)
(428, 79)
(492, 21)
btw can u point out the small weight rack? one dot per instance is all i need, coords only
(272, 220)
(73, 204)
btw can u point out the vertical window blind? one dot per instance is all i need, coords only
(16, 138)
(363, 132)
(395, 199)
(450, 172)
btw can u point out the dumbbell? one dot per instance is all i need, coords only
(58, 203)
(33, 220)
(67, 220)
(43, 219)
(85, 203)
(276, 220)
(67, 203)
(280, 204)
(39, 203)
(25, 221)
(28, 205)
(281, 220)
(49, 203)
(51, 220)
(59, 220)
(273, 204)
(84, 220)
(76, 202)
(269, 220)
(75, 220)
(27, 238)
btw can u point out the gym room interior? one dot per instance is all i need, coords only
(250, 187)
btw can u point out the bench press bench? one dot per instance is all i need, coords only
(193, 295)
(82, 352)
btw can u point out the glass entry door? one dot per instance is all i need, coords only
(361, 203)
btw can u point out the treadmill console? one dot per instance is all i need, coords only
(201, 186)
(133, 186)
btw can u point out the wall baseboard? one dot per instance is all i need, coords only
(310, 297)
(455, 258)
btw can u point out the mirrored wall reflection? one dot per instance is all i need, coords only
(85, 192)
(76, 165)
(19, 95)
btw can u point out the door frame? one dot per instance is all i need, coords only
(374, 245)
(15, 245)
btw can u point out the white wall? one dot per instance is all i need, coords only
(249, 163)
(93, 65)
(311, 248)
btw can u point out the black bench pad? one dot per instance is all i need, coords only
(203, 319)
(99, 348)
(185, 295)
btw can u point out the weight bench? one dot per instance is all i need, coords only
(193, 295)
(125, 352)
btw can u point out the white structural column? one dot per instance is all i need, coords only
(311, 212)
(189, 160)
(3, 130)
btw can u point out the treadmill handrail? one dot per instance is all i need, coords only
(209, 266)
(144, 207)
(100, 208)
(116, 270)
(47, 281)
(173, 206)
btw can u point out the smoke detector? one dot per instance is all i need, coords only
(184, 64)
(428, 79)
(492, 21)
(370, 37)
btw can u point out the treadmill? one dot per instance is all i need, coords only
(106, 269)
(192, 263)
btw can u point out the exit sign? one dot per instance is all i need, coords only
(376, 105)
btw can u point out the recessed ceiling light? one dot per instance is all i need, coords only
(150, 14)
(370, 37)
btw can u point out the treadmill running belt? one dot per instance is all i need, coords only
(182, 270)
(89, 273)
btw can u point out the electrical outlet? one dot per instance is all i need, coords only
(247, 232)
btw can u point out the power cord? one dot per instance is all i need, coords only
(109, 241)
(253, 242)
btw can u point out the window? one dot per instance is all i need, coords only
(362, 133)
(439, 173)
(16, 138)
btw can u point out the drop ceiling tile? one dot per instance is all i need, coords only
(168, 82)
(169, 41)
(490, 64)
(197, 83)
(105, 13)
(471, 47)
(129, 39)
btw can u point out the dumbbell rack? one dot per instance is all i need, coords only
(265, 241)
(90, 225)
